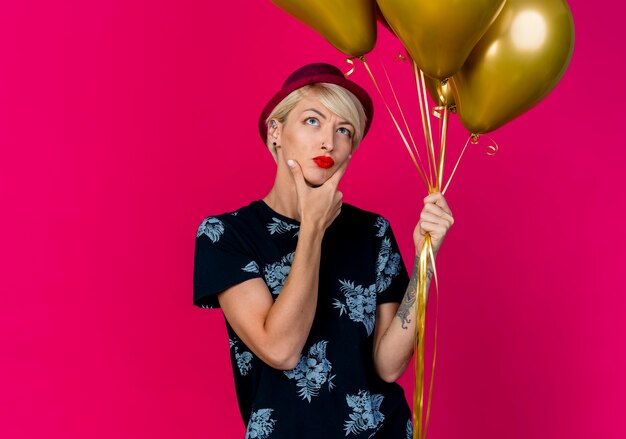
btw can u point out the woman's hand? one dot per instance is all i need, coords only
(436, 219)
(317, 206)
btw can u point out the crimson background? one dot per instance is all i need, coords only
(124, 123)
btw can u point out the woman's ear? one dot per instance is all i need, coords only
(273, 131)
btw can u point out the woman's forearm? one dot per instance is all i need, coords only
(394, 349)
(289, 320)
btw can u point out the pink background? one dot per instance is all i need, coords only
(123, 124)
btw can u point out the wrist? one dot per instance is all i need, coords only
(429, 266)
(419, 252)
(311, 230)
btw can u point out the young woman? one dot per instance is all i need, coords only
(318, 303)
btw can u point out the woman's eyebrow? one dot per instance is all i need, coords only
(343, 122)
(315, 111)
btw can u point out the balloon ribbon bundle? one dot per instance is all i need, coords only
(433, 179)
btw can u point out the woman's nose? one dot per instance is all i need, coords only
(328, 141)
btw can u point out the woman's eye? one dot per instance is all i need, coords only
(345, 131)
(311, 121)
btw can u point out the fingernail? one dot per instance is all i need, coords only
(290, 163)
(350, 156)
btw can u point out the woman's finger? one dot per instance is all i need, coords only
(436, 219)
(433, 208)
(296, 172)
(336, 177)
(438, 199)
(433, 228)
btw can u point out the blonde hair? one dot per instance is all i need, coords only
(337, 99)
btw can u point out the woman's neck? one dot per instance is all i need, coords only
(283, 197)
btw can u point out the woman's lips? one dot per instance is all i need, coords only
(324, 162)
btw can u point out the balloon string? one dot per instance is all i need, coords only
(472, 138)
(442, 124)
(442, 149)
(430, 131)
(490, 149)
(432, 373)
(425, 124)
(402, 58)
(420, 329)
(426, 114)
(426, 256)
(419, 432)
(436, 111)
(406, 124)
(406, 143)
(349, 72)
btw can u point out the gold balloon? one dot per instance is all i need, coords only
(516, 64)
(441, 92)
(349, 25)
(440, 34)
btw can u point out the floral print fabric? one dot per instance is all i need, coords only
(312, 372)
(261, 424)
(334, 391)
(365, 414)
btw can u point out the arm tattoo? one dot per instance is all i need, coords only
(410, 296)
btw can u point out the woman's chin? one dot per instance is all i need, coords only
(317, 177)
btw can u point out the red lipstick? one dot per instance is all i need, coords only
(324, 162)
